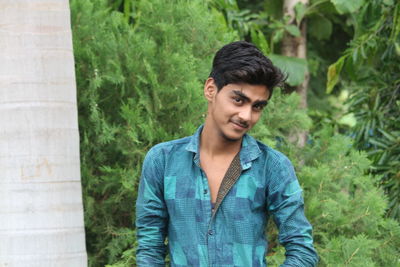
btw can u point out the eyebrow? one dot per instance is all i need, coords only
(247, 99)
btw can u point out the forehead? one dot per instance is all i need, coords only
(253, 92)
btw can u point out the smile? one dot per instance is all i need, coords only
(239, 125)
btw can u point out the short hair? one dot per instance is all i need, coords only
(243, 62)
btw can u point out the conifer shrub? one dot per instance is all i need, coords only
(140, 84)
(345, 207)
(342, 202)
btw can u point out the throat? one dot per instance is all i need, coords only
(215, 168)
(219, 145)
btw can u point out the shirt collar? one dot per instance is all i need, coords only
(193, 145)
(249, 151)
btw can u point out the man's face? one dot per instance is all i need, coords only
(236, 108)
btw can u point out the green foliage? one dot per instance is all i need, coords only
(241, 20)
(275, 124)
(127, 7)
(344, 206)
(352, 207)
(264, 30)
(138, 85)
(370, 71)
(333, 74)
(320, 27)
(344, 6)
(295, 68)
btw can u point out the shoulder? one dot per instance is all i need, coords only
(280, 170)
(273, 157)
(157, 157)
(275, 164)
(164, 149)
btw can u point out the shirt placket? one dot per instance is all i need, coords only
(230, 178)
(208, 212)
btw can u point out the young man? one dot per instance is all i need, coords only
(211, 194)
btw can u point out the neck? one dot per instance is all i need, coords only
(214, 144)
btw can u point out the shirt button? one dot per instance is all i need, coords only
(210, 232)
(205, 191)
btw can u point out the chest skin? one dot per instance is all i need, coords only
(215, 169)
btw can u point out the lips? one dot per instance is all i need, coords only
(240, 124)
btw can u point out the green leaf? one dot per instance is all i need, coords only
(258, 38)
(293, 30)
(274, 8)
(334, 74)
(347, 6)
(277, 37)
(262, 42)
(378, 143)
(383, 158)
(127, 10)
(219, 17)
(296, 68)
(300, 10)
(320, 27)
(397, 46)
(348, 119)
(388, 2)
(387, 135)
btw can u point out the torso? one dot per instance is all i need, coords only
(215, 169)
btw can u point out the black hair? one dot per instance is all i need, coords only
(243, 62)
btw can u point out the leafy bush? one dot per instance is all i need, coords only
(137, 86)
(346, 208)
(370, 70)
(140, 84)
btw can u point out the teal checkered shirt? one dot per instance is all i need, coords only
(174, 202)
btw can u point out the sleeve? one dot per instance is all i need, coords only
(151, 213)
(286, 204)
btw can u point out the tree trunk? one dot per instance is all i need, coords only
(296, 47)
(41, 215)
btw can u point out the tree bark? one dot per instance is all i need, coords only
(296, 47)
(41, 214)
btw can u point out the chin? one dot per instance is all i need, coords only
(232, 137)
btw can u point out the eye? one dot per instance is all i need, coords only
(237, 100)
(258, 107)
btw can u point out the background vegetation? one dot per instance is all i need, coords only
(140, 66)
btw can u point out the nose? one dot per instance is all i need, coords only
(245, 114)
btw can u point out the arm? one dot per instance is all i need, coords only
(151, 214)
(287, 207)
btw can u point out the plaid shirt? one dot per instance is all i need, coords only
(174, 202)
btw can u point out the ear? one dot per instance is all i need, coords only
(210, 89)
